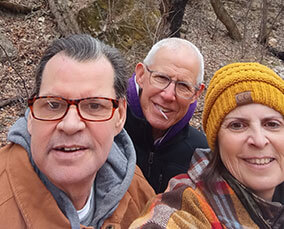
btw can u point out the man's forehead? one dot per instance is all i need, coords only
(64, 57)
(182, 49)
(183, 55)
(63, 73)
(61, 60)
(169, 59)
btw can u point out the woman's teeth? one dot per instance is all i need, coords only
(260, 161)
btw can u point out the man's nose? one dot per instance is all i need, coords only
(72, 122)
(258, 137)
(169, 92)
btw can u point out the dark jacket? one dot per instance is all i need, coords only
(160, 163)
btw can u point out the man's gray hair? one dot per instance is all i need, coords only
(176, 43)
(83, 47)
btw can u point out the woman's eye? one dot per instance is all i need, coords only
(272, 124)
(236, 125)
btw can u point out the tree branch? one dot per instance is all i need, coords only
(11, 64)
(15, 8)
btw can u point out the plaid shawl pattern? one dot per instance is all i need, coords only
(186, 203)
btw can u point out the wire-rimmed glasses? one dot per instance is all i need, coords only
(183, 89)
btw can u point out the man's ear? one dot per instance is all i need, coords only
(29, 124)
(121, 115)
(199, 92)
(139, 72)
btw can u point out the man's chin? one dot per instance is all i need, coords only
(161, 124)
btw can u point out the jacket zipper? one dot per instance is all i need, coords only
(150, 162)
(160, 181)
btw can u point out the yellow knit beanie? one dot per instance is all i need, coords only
(235, 85)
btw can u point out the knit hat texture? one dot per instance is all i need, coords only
(239, 84)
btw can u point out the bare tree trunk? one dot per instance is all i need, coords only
(245, 29)
(264, 35)
(225, 18)
(172, 12)
(263, 28)
(66, 21)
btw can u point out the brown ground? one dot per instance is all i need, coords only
(30, 34)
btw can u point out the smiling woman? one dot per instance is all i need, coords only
(251, 147)
(232, 184)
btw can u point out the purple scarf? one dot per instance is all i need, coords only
(134, 104)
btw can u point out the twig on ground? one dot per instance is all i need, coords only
(6, 102)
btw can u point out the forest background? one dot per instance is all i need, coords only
(224, 31)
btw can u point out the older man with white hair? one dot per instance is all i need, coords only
(162, 97)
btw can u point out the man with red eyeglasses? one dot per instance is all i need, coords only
(72, 165)
(162, 97)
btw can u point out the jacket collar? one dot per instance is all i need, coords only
(35, 202)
